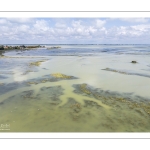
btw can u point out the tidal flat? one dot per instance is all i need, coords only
(76, 88)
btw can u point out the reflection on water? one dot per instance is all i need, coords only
(74, 94)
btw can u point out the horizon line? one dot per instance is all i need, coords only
(71, 44)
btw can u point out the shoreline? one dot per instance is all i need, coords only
(21, 47)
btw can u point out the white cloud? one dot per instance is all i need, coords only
(21, 20)
(100, 23)
(141, 27)
(24, 28)
(135, 20)
(3, 21)
(41, 25)
(76, 24)
(92, 30)
(4, 29)
(60, 25)
(44, 30)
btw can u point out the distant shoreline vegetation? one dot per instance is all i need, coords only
(6, 47)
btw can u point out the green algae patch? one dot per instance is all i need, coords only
(84, 89)
(28, 71)
(74, 109)
(92, 104)
(127, 72)
(52, 78)
(43, 106)
(32, 82)
(116, 100)
(113, 70)
(49, 78)
(37, 63)
(61, 76)
(28, 94)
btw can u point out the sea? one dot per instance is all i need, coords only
(75, 88)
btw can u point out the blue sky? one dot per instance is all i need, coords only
(74, 31)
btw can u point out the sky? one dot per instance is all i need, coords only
(74, 31)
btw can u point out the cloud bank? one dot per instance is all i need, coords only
(74, 31)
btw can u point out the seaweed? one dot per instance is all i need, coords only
(114, 100)
(28, 94)
(84, 88)
(91, 104)
(126, 73)
(61, 76)
(37, 63)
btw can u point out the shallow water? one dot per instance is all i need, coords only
(91, 100)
